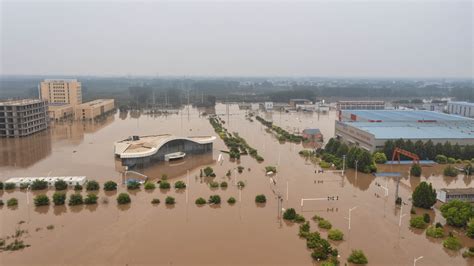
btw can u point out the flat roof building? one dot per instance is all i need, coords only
(360, 105)
(20, 118)
(461, 108)
(60, 111)
(371, 129)
(93, 109)
(61, 91)
(448, 194)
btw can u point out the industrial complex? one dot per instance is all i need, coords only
(370, 129)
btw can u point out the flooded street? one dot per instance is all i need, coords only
(243, 233)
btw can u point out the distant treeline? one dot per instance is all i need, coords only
(428, 150)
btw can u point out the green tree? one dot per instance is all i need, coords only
(75, 199)
(260, 199)
(170, 200)
(12, 202)
(335, 234)
(133, 184)
(357, 257)
(200, 201)
(59, 198)
(39, 185)
(417, 222)
(214, 199)
(180, 185)
(41, 200)
(415, 170)
(457, 213)
(379, 157)
(208, 171)
(60, 185)
(441, 159)
(450, 171)
(123, 198)
(289, 214)
(165, 185)
(430, 151)
(90, 199)
(435, 232)
(452, 243)
(92, 185)
(149, 185)
(424, 196)
(470, 228)
(110, 186)
(231, 200)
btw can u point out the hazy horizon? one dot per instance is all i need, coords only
(407, 39)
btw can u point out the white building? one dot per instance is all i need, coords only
(461, 108)
(268, 106)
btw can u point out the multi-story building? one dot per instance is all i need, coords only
(93, 109)
(461, 108)
(20, 118)
(360, 105)
(60, 111)
(61, 91)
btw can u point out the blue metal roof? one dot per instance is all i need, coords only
(311, 131)
(405, 115)
(414, 130)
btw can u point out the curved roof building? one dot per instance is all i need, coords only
(140, 150)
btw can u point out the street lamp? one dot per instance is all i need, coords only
(416, 259)
(350, 210)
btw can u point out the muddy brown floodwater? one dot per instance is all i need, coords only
(225, 235)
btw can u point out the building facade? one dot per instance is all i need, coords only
(93, 109)
(60, 111)
(20, 118)
(448, 194)
(461, 108)
(61, 91)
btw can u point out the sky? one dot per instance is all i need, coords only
(241, 38)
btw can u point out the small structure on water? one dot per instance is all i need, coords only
(70, 180)
(313, 134)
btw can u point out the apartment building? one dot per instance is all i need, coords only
(61, 91)
(20, 118)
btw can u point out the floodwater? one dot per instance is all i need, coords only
(244, 233)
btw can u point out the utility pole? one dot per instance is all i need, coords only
(343, 164)
(401, 215)
(349, 218)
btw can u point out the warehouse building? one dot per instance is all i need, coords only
(371, 129)
(461, 108)
(94, 109)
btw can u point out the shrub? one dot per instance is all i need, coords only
(398, 201)
(123, 198)
(270, 169)
(231, 200)
(289, 214)
(424, 196)
(441, 159)
(92, 185)
(304, 230)
(1, 203)
(59, 198)
(299, 218)
(155, 201)
(470, 228)
(468, 253)
(180, 185)
(452, 243)
(90, 199)
(214, 199)
(426, 218)
(435, 232)
(325, 224)
(439, 225)
(214, 184)
(321, 248)
(260, 199)
(379, 157)
(451, 160)
(240, 184)
(77, 187)
(457, 213)
(149, 186)
(110, 186)
(164, 177)
(12, 202)
(208, 171)
(170, 200)
(415, 170)
(41, 200)
(133, 184)
(417, 222)
(324, 164)
(10, 186)
(335, 234)
(75, 199)
(60, 185)
(164, 185)
(1, 185)
(357, 257)
(223, 184)
(39, 185)
(240, 169)
(228, 174)
(450, 171)
(200, 201)
(24, 186)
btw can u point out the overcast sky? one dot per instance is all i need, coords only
(338, 38)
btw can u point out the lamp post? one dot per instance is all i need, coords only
(343, 164)
(349, 218)
(416, 259)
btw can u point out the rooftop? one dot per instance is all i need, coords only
(60, 80)
(20, 102)
(405, 115)
(463, 103)
(95, 102)
(415, 130)
(311, 131)
(469, 190)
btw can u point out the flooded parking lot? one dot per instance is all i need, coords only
(244, 233)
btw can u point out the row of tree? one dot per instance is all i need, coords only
(355, 155)
(428, 150)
